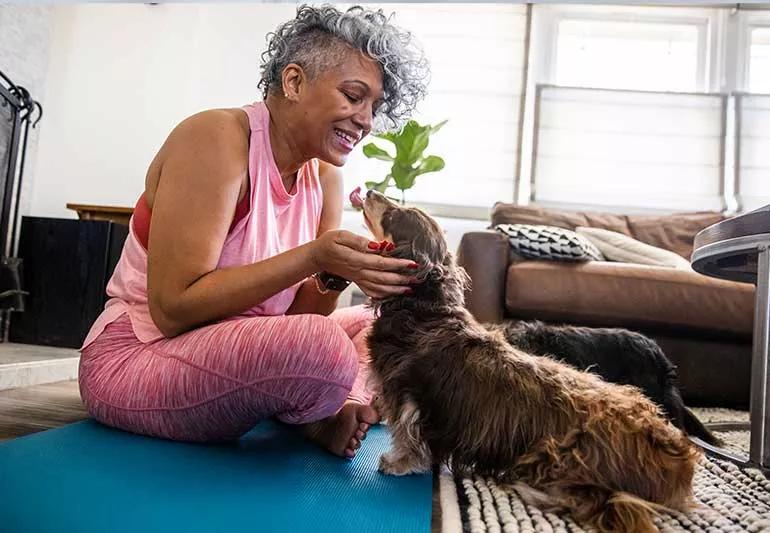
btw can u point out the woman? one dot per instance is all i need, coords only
(218, 316)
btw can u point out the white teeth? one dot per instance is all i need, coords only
(345, 136)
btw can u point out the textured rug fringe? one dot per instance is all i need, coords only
(729, 499)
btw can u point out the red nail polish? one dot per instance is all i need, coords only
(414, 266)
(383, 245)
(390, 247)
(373, 245)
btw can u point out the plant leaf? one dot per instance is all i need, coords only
(379, 186)
(408, 162)
(406, 179)
(404, 142)
(387, 136)
(371, 150)
(432, 163)
(438, 126)
(419, 144)
(401, 174)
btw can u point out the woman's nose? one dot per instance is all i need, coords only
(363, 120)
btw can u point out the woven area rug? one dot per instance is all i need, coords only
(731, 499)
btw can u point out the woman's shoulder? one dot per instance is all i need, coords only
(214, 133)
(222, 124)
(214, 141)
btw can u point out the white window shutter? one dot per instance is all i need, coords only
(658, 150)
(753, 127)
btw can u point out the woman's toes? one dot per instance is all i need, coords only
(350, 453)
(363, 426)
(360, 435)
(354, 443)
(368, 415)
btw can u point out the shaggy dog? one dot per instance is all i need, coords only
(454, 392)
(618, 356)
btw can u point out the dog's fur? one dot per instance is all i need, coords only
(457, 393)
(616, 355)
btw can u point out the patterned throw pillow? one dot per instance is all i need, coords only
(549, 242)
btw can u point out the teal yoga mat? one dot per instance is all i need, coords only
(88, 478)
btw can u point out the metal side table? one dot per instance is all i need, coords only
(738, 249)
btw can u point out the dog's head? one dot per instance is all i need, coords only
(417, 237)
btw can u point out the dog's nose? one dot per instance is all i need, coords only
(369, 193)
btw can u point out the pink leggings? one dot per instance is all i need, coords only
(215, 383)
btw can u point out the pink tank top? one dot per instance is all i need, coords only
(276, 221)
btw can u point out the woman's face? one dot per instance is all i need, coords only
(337, 107)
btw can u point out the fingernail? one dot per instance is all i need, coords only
(390, 247)
(409, 291)
(383, 245)
(373, 245)
(414, 266)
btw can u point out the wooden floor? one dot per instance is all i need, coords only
(32, 409)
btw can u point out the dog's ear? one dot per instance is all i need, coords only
(416, 235)
(446, 282)
(453, 280)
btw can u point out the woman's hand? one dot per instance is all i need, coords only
(357, 259)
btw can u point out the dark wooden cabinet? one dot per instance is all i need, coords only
(67, 264)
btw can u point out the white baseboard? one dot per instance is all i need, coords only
(15, 375)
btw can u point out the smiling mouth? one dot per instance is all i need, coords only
(345, 137)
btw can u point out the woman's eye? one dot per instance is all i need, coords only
(352, 98)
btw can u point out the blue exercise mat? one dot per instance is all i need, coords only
(87, 478)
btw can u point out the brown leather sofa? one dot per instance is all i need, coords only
(703, 324)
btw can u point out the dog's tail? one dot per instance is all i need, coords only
(607, 511)
(695, 428)
(624, 512)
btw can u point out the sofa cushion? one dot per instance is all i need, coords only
(615, 246)
(549, 243)
(674, 232)
(600, 293)
(503, 213)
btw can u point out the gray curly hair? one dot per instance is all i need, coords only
(313, 41)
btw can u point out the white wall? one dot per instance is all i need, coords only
(122, 76)
(25, 37)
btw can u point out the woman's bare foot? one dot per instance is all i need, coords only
(342, 433)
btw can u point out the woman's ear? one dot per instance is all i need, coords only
(292, 81)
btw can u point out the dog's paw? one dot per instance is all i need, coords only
(401, 465)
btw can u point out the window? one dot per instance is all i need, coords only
(759, 60)
(628, 55)
(753, 156)
(627, 148)
(616, 121)
(625, 47)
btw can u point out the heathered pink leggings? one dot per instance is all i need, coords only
(215, 383)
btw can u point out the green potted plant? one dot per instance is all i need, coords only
(409, 161)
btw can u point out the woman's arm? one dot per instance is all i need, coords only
(308, 298)
(202, 167)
